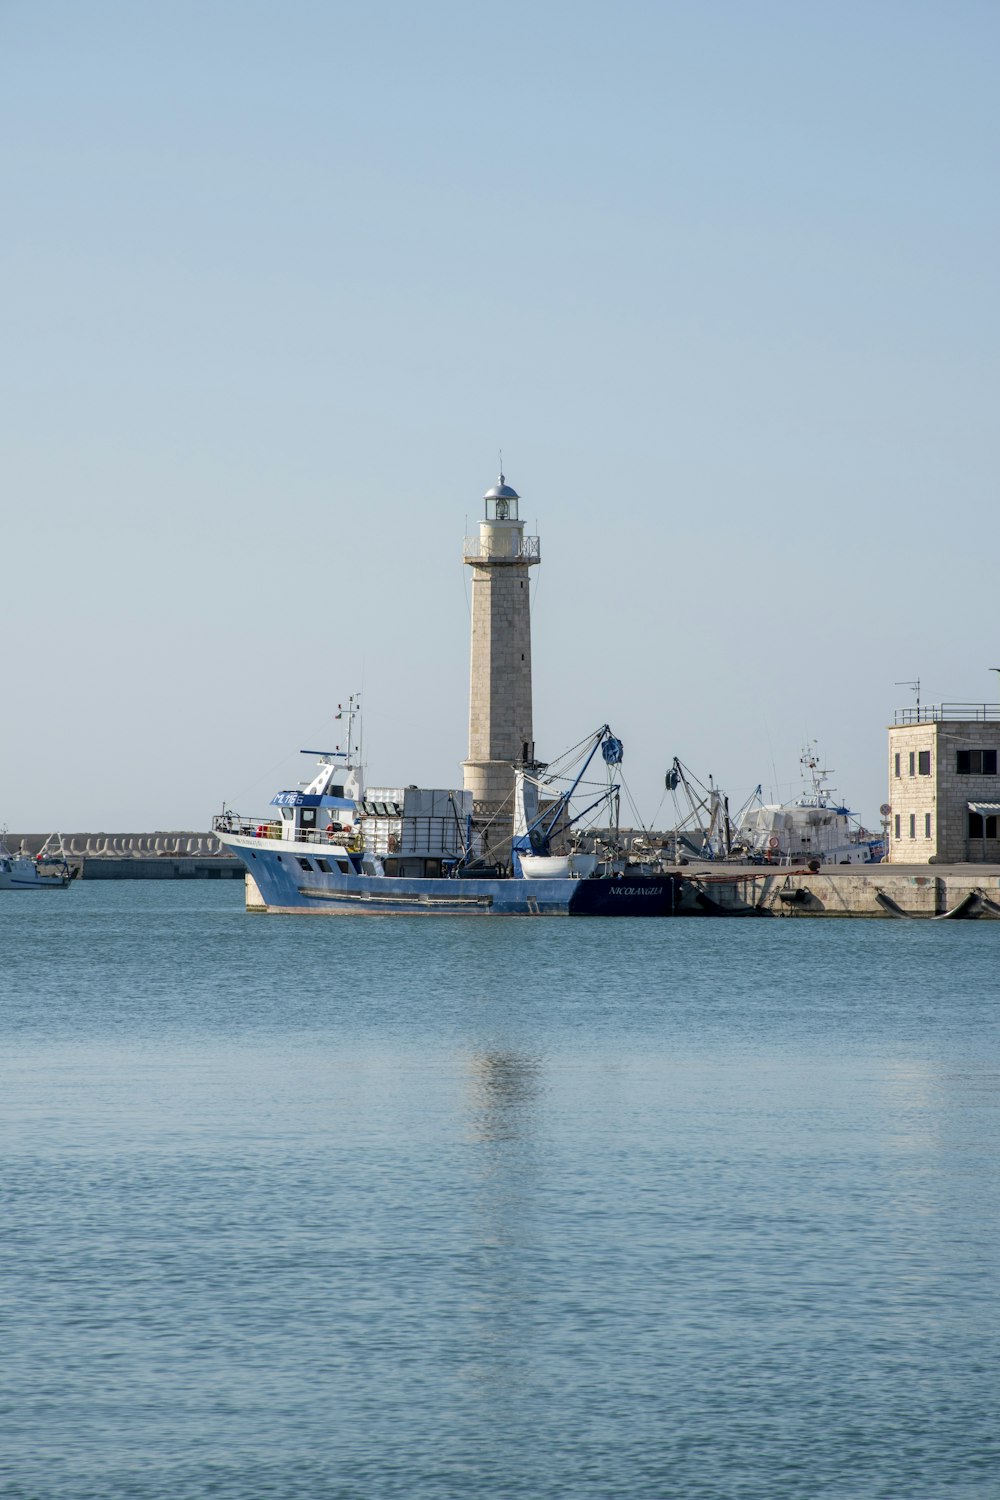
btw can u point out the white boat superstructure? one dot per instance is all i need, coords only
(815, 826)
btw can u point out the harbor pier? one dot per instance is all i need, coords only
(895, 891)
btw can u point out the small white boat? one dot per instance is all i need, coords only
(47, 869)
(558, 866)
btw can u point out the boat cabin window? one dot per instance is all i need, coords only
(304, 863)
(307, 817)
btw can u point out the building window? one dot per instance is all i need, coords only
(897, 825)
(913, 769)
(976, 763)
(913, 825)
(897, 762)
(924, 763)
(982, 828)
(927, 825)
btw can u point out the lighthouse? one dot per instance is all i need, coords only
(500, 728)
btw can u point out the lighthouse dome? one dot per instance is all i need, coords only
(501, 491)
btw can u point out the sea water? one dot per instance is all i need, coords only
(451, 1207)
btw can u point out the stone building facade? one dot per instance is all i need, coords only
(500, 718)
(944, 786)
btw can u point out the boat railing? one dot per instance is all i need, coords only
(258, 828)
(266, 828)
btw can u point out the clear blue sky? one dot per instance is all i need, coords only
(721, 279)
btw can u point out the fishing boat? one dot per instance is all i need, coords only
(335, 847)
(48, 869)
(814, 826)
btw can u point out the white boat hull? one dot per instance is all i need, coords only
(558, 866)
(22, 874)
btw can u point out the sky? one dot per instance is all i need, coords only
(279, 282)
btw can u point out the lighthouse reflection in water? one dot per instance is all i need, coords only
(539, 1210)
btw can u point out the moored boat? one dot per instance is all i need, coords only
(815, 826)
(48, 869)
(335, 848)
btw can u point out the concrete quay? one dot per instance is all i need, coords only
(891, 891)
(140, 856)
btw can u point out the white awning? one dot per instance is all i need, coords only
(984, 807)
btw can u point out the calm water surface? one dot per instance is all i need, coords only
(443, 1208)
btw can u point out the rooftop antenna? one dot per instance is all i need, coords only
(915, 685)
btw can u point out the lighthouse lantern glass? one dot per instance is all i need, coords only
(501, 508)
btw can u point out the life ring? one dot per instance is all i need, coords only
(773, 842)
(329, 827)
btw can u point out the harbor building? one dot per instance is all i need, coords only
(944, 790)
(500, 724)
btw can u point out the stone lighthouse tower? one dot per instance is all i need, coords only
(500, 730)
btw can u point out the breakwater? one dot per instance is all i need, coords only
(186, 855)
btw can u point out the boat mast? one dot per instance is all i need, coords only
(352, 711)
